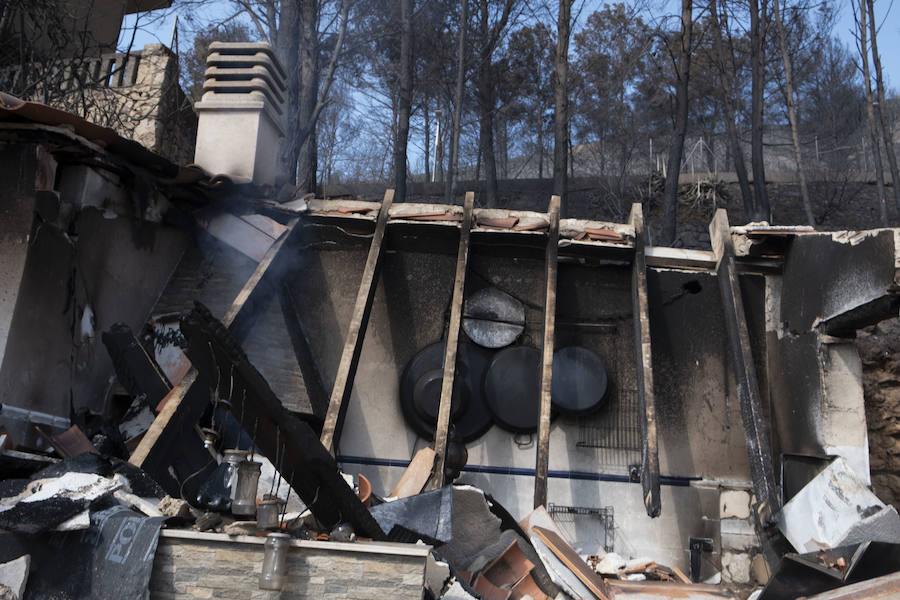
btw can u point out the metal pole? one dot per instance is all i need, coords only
(437, 145)
(173, 41)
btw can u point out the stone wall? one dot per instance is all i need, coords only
(742, 561)
(147, 104)
(194, 565)
(136, 94)
(879, 348)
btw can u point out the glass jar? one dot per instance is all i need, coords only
(274, 567)
(233, 458)
(244, 503)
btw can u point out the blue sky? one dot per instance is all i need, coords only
(888, 17)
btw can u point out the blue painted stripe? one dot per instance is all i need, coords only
(577, 475)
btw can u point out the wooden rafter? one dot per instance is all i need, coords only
(543, 448)
(456, 309)
(343, 382)
(644, 363)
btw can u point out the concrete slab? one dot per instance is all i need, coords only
(14, 575)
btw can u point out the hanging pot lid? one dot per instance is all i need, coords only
(420, 391)
(512, 388)
(579, 381)
(492, 318)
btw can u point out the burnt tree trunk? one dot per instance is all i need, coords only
(792, 115)
(309, 93)
(885, 127)
(427, 117)
(727, 95)
(404, 100)
(561, 98)
(540, 148)
(486, 133)
(676, 146)
(453, 163)
(490, 37)
(287, 46)
(761, 210)
(870, 113)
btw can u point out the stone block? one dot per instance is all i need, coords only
(759, 569)
(735, 567)
(738, 534)
(14, 575)
(734, 504)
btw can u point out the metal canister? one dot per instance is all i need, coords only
(244, 502)
(268, 512)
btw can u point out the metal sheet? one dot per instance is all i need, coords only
(830, 507)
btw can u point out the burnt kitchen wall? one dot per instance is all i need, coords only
(698, 412)
(701, 435)
(85, 261)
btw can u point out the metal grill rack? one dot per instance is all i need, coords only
(580, 522)
(615, 430)
(615, 427)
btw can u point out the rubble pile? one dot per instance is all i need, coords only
(842, 533)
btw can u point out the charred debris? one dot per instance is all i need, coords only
(213, 386)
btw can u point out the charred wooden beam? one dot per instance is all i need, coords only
(136, 370)
(289, 443)
(456, 309)
(343, 382)
(754, 419)
(185, 403)
(644, 362)
(543, 447)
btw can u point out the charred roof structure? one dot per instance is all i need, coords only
(516, 390)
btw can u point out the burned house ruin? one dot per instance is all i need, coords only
(658, 403)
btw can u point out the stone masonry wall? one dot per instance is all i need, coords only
(185, 569)
(879, 349)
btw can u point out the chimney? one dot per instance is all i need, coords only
(241, 113)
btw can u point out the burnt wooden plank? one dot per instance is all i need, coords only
(644, 363)
(343, 382)
(185, 403)
(456, 308)
(752, 415)
(543, 447)
(260, 287)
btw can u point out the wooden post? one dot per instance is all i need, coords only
(240, 316)
(644, 362)
(258, 291)
(456, 309)
(752, 415)
(343, 382)
(543, 449)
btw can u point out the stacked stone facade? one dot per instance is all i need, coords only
(137, 94)
(216, 566)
